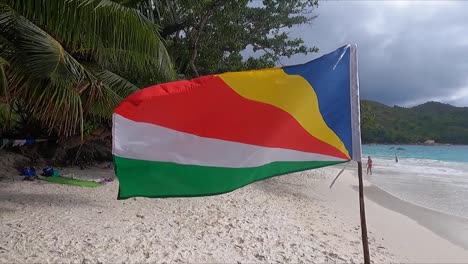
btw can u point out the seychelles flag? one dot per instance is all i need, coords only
(217, 133)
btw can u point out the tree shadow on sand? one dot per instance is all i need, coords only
(31, 197)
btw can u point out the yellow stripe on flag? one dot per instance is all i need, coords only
(291, 93)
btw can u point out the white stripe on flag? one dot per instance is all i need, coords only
(144, 141)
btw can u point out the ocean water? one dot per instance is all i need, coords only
(435, 177)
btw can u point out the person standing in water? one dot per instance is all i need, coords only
(369, 165)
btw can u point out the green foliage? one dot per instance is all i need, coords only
(206, 37)
(66, 62)
(5, 117)
(89, 126)
(441, 122)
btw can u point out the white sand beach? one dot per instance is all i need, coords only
(289, 219)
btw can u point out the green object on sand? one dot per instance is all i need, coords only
(69, 181)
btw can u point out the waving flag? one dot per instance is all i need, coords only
(217, 133)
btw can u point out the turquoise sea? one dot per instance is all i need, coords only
(435, 177)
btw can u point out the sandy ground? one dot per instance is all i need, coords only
(289, 219)
(413, 233)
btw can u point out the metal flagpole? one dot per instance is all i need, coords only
(365, 242)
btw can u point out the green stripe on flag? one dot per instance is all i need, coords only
(166, 179)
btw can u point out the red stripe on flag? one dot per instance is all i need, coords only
(208, 107)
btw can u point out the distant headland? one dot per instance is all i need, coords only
(431, 123)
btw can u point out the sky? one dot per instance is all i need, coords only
(409, 52)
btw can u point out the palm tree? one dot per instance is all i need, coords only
(68, 61)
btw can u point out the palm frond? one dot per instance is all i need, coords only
(121, 86)
(42, 76)
(37, 53)
(105, 103)
(4, 80)
(55, 104)
(95, 25)
(47, 47)
(112, 59)
(109, 91)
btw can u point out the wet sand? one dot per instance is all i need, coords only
(450, 227)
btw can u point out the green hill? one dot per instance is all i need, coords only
(443, 123)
